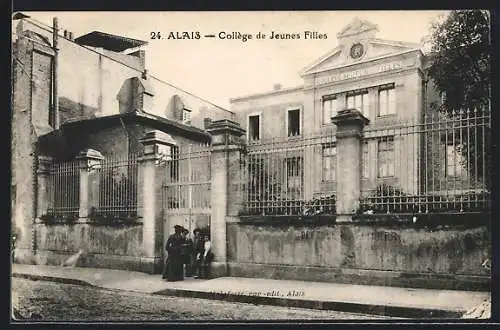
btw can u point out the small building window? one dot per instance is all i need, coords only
(186, 116)
(254, 127)
(293, 122)
(385, 157)
(455, 161)
(386, 100)
(329, 108)
(365, 161)
(329, 163)
(359, 100)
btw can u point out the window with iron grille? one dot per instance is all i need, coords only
(358, 100)
(385, 157)
(293, 122)
(386, 100)
(329, 162)
(455, 161)
(365, 162)
(329, 108)
(254, 127)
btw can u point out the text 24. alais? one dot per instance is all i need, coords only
(238, 35)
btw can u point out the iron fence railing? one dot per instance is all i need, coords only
(285, 176)
(438, 163)
(63, 189)
(186, 178)
(441, 165)
(117, 179)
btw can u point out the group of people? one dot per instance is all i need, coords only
(187, 257)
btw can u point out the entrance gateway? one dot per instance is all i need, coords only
(185, 189)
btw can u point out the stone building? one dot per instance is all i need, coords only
(386, 81)
(90, 96)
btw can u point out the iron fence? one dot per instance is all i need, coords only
(116, 179)
(185, 178)
(63, 189)
(286, 177)
(438, 163)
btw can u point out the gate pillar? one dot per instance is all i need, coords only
(350, 123)
(226, 193)
(157, 145)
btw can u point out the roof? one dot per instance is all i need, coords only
(272, 92)
(156, 122)
(108, 41)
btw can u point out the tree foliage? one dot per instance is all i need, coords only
(460, 58)
(460, 69)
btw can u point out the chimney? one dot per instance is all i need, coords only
(65, 33)
(277, 87)
(70, 35)
(141, 54)
(206, 122)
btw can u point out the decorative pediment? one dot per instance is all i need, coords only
(357, 44)
(358, 51)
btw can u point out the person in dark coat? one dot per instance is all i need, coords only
(197, 251)
(173, 270)
(187, 253)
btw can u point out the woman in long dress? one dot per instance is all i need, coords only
(174, 265)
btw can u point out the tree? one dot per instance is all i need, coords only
(460, 58)
(460, 69)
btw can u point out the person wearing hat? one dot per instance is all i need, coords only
(173, 270)
(197, 252)
(187, 251)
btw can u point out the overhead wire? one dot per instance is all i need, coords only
(48, 28)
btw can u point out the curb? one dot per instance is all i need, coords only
(63, 280)
(380, 310)
(349, 307)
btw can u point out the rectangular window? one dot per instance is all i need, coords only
(455, 161)
(329, 163)
(186, 116)
(329, 108)
(358, 100)
(386, 100)
(254, 127)
(294, 174)
(293, 122)
(385, 157)
(365, 165)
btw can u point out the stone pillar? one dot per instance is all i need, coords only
(350, 123)
(226, 193)
(157, 145)
(90, 160)
(43, 197)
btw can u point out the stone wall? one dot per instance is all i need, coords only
(371, 254)
(104, 246)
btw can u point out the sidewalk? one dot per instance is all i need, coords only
(378, 300)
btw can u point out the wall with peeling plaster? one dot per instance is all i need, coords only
(364, 247)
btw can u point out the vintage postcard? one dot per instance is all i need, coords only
(210, 166)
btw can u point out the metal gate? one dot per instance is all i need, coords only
(186, 187)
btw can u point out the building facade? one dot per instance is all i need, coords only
(89, 96)
(383, 79)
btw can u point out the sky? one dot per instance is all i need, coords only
(219, 69)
